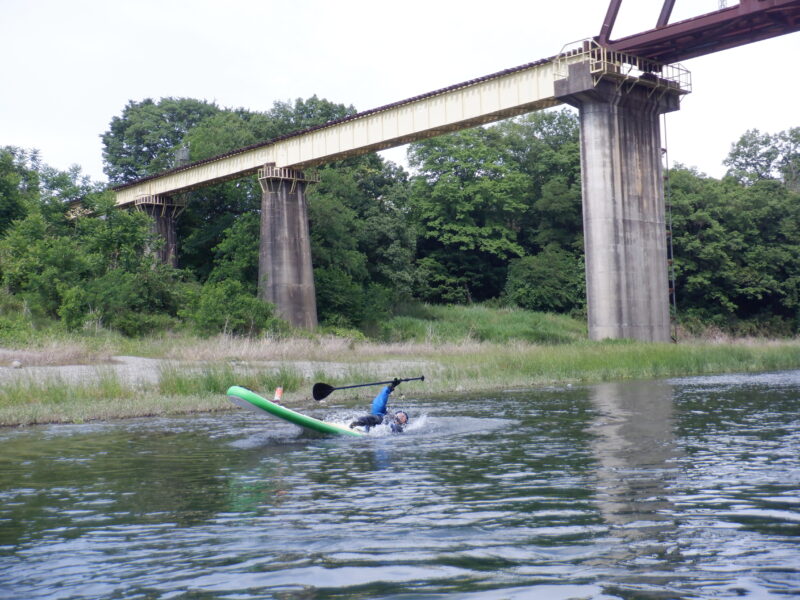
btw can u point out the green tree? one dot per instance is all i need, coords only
(766, 217)
(222, 132)
(467, 201)
(753, 157)
(757, 156)
(145, 138)
(236, 255)
(545, 146)
(213, 211)
(19, 183)
(95, 264)
(362, 241)
(703, 246)
(736, 248)
(39, 265)
(286, 117)
(550, 281)
(386, 233)
(487, 196)
(789, 163)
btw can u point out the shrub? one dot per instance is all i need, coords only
(74, 308)
(15, 329)
(434, 283)
(340, 300)
(136, 324)
(225, 307)
(551, 281)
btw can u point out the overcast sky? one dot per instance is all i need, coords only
(68, 67)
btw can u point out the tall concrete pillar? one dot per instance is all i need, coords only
(285, 275)
(163, 211)
(623, 202)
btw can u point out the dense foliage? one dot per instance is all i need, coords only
(489, 214)
(737, 250)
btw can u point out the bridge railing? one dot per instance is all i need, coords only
(621, 68)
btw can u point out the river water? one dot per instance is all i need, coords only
(686, 488)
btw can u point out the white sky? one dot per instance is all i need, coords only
(69, 66)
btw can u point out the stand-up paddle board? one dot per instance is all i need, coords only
(252, 401)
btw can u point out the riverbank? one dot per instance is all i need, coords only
(69, 383)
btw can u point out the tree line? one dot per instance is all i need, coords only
(491, 214)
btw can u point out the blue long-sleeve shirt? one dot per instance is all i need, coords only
(380, 402)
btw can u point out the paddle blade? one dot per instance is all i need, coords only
(321, 390)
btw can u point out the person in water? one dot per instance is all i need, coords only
(378, 412)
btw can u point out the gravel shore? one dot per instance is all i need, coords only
(135, 370)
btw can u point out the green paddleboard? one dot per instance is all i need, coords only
(252, 401)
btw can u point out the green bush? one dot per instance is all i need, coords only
(74, 309)
(551, 281)
(137, 324)
(435, 283)
(354, 335)
(10, 304)
(340, 299)
(14, 329)
(226, 307)
(132, 303)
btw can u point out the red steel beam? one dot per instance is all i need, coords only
(749, 21)
(666, 12)
(608, 22)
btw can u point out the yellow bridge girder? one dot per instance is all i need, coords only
(492, 98)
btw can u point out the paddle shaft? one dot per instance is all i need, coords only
(345, 387)
(322, 390)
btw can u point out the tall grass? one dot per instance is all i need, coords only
(517, 364)
(528, 365)
(436, 324)
(29, 400)
(470, 368)
(458, 349)
(55, 390)
(216, 379)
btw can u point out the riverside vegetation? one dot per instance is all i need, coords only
(469, 269)
(458, 349)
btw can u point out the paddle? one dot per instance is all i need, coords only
(323, 390)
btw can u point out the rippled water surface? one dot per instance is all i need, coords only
(672, 489)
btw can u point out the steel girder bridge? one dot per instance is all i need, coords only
(635, 77)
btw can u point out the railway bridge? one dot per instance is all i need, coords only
(620, 95)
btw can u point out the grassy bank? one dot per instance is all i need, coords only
(468, 350)
(449, 368)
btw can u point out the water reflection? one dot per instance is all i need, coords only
(636, 452)
(637, 456)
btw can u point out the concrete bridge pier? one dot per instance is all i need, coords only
(164, 211)
(285, 275)
(623, 202)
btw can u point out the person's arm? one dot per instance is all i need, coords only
(381, 400)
